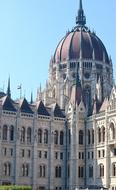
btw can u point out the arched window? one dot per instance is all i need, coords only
(89, 137)
(99, 135)
(61, 137)
(46, 136)
(114, 169)
(11, 133)
(23, 134)
(90, 171)
(23, 170)
(42, 171)
(80, 171)
(101, 170)
(80, 137)
(68, 171)
(112, 131)
(39, 136)
(29, 135)
(7, 169)
(26, 170)
(58, 172)
(103, 134)
(55, 137)
(5, 132)
(93, 136)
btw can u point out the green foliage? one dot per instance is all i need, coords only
(3, 187)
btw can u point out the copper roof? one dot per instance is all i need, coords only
(80, 40)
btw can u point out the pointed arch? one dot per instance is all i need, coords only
(89, 136)
(112, 131)
(23, 134)
(39, 136)
(81, 136)
(61, 137)
(55, 137)
(29, 135)
(5, 132)
(11, 133)
(45, 136)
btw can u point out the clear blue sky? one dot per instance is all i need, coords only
(31, 29)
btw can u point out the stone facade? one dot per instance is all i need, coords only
(66, 139)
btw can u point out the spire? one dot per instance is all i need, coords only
(78, 82)
(31, 98)
(80, 19)
(8, 88)
(76, 94)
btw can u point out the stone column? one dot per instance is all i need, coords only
(51, 157)
(107, 154)
(17, 167)
(34, 154)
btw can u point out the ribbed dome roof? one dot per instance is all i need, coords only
(80, 42)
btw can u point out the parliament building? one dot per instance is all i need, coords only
(66, 139)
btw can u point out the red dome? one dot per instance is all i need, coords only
(80, 41)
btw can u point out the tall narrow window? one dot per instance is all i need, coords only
(7, 169)
(114, 169)
(103, 133)
(80, 172)
(81, 137)
(42, 171)
(26, 170)
(39, 136)
(11, 133)
(23, 170)
(90, 171)
(99, 135)
(112, 131)
(23, 134)
(61, 137)
(93, 136)
(89, 137)
(101, 170)
(58, 172)
(29, 135)
(55, 137)
(5, 131)
(46, 136)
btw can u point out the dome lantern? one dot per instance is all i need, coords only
(80, 19)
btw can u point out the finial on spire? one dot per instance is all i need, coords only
(80, 19)
(8, 88)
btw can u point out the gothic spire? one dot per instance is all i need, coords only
(8, 88)
(31, 98)
(78, 82)
(80, 19)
